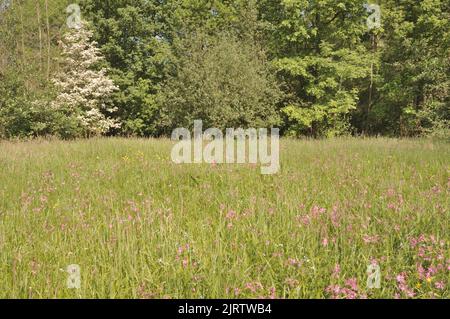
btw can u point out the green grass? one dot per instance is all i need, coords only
(140, 226)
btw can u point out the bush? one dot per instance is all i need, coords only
(222, 81)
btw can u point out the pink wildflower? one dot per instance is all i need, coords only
(440, 285)
(352, 283)
(337, 270)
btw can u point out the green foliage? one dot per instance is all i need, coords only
(28, 55)
(14, 118)
(131, 37)
(413, 96)
(24, 115)
(336, 75)
(319, 55)
(222, 81)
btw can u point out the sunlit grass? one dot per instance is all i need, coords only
(140, 226)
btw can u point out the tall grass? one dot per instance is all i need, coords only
(141, 226)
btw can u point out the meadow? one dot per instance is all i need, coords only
(140, 226)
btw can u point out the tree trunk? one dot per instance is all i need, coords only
(369, 103)
(22, 34)
(38, 15)
(48, 39)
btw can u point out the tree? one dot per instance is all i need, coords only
(413, 96)
(136, 47)
(337, 75)
(318, 51)
(23, 80)
(83, 91)
(224, 82)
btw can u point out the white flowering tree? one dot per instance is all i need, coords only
(83, 90)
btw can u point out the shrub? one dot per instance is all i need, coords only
(222, 81)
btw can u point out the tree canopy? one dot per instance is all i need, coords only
(311, 67)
